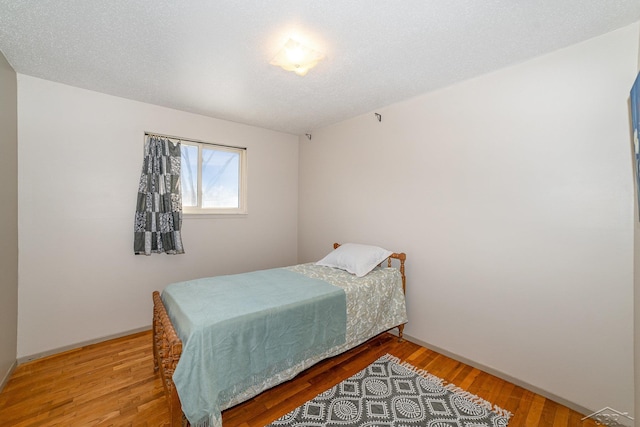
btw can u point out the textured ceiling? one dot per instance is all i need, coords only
(212, 56)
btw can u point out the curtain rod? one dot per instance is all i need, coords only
(191, 140)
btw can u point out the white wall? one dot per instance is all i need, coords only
(8, 219)
(80, 156)
(511, 195)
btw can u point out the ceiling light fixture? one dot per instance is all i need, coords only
(296, 57)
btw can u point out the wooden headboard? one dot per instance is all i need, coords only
(401, 257)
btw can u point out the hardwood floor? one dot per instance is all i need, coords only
(113, 384)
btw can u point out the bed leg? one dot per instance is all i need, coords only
(400, 332)
(177, 417)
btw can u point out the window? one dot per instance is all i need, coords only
(213, 178)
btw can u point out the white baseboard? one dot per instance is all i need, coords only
(578, 408)
(36, 356)
(6, 377)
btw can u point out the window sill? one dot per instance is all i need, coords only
(214, 215)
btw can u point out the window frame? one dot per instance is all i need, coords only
(242, 180)
(199, 211)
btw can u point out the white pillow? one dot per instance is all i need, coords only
(355, 258)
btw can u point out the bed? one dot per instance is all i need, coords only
(220, 341)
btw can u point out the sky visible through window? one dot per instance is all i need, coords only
(220, 177)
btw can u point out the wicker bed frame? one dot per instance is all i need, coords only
(167, 346)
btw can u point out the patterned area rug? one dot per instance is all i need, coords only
(388, 393)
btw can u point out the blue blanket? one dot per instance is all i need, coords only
(238, 330)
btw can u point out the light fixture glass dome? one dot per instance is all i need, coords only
(296, 57)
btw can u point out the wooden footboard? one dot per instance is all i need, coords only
(167, 348)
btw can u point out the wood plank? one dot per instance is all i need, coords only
(113, 383)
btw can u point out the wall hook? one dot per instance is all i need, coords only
(378, 116)
(308, 136)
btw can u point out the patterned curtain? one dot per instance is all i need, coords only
(159, 207)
